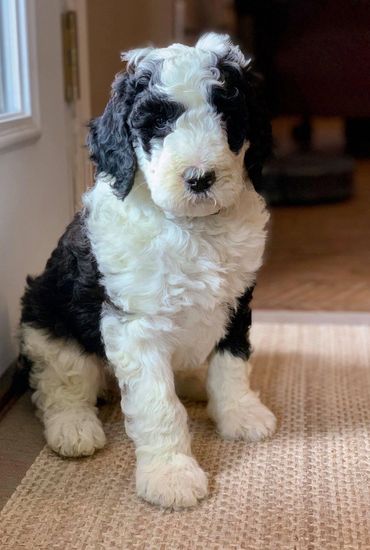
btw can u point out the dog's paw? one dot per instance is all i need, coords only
(74, 433)
(247, 418)
(171, 481)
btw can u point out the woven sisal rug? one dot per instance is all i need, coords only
(306, 488)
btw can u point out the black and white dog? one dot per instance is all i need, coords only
(155, 275)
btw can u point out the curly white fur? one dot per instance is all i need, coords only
(66, 383)
(236, 409)
(198, 138)
(171, 282)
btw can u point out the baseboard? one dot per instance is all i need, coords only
(10, 388)
(311, 317)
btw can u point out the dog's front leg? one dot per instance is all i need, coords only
(236, 409)
(166, 474)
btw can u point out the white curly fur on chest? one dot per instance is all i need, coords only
(187, 271)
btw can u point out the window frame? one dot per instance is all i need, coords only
(24, 124)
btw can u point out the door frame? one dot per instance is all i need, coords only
(79, 111)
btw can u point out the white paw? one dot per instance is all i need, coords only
(171, 481)
(74, 432)
(246, 418)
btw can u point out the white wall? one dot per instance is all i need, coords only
(35, 185)
(115, 26)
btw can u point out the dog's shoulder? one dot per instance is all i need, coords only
(72, 261)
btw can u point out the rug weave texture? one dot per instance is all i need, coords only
(305, 488)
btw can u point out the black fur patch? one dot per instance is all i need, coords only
(240, 102)
(230, 102)
(109, 140)
(153, 116)
(236, 340)
(66, 299)
(133, 114)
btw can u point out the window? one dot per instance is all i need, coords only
(19, 118)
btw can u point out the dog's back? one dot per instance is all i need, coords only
(66, 299)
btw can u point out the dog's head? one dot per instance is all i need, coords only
(191, 119)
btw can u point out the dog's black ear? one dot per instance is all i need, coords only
(109, 139)
(259, 126)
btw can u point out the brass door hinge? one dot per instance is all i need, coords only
(70, 56)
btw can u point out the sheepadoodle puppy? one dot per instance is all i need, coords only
(155, 275)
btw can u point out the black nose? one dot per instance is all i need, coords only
(198, 182)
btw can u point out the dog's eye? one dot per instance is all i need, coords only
(155, 116)
(141, 120)
(160, 121)
(150, 121)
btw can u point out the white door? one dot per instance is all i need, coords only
(36, 191)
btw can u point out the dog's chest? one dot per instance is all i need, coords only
(212, 271)
(168, 269)
(189, 272)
